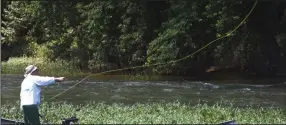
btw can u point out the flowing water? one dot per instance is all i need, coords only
(264, 93)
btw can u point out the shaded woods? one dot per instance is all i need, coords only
(103, 35)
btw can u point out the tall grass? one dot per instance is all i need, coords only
(16, 65)
(156, 113)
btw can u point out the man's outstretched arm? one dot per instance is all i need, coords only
(44, 81)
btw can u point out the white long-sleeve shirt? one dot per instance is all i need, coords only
(30, 89)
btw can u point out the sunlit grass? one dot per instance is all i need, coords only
(16, 65)
(156, 113)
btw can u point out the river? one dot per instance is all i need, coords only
(263, 93)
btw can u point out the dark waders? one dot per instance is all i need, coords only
(31, 114)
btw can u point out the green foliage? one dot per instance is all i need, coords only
(151, 113)
(56, 68)
(192, 25)
(17, 19)
(38, 50)
(133, 27)
(99, 31)
(104, 35)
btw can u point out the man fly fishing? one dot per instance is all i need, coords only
(30, 94)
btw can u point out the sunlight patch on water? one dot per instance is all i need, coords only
(167, 90)
(94, 93)
(243, 90)
(246, 89)
(209, 85)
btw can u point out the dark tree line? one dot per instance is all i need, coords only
(102, 35)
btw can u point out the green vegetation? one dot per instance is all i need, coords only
(73, 38)
(156, 113)
(16, 65)
(104, 35)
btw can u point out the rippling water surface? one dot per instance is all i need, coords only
(240, 92)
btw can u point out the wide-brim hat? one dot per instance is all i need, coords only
(30, 69)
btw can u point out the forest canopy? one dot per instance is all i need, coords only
(101, 35)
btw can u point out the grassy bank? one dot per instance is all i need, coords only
(152, 113)
(16, 65)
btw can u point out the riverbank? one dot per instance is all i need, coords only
(156, 113)
(16, 65)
